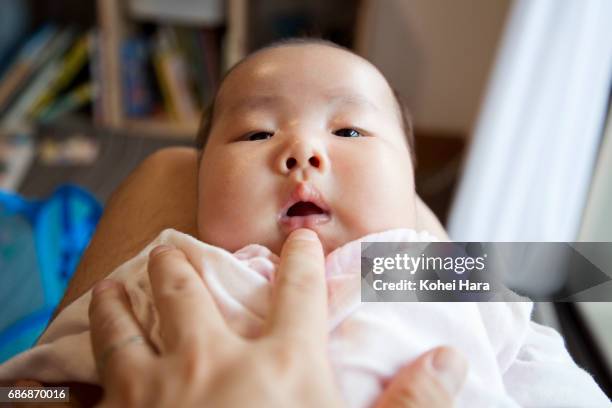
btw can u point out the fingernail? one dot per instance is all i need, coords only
(450, 368)
(103, 285)
(161, 249)
(304, 234)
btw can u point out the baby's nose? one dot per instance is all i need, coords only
(302, 156)
(313, 161)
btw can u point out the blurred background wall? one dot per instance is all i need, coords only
(438, 54)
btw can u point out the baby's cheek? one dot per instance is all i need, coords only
(381, 198)
(223, 232)
(237, 215)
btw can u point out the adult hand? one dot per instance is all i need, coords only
(431, 381)
(205, 364)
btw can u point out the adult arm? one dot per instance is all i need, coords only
(161, 193)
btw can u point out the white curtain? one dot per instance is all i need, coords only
(597, 223)
(534, 148)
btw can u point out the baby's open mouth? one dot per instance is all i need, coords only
(304, 208)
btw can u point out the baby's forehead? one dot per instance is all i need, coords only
(313, 54)
(305, 70)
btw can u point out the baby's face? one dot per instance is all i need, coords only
(304, 136)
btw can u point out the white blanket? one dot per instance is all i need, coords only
(512, 361)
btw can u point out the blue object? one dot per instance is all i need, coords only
(41, 242)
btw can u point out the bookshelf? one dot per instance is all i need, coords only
(133, 68)
(115, 19)
(147, 67)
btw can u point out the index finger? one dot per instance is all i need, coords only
(299, 308)
(187, 311)
(117, 340)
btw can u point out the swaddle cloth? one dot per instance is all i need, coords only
(512, 361)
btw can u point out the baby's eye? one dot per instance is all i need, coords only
(348, 132)
(259, 136)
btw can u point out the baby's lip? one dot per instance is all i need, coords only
(307, 193)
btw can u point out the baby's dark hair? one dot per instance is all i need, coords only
(207, 116)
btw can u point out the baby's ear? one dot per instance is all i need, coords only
(427, 220)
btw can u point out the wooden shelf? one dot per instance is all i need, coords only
(114, 21)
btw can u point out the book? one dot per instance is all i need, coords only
(136, 92)
(172, 75)
(71, 65)
(25, 64)
(16, 117)
(190, 47)
(73, 100)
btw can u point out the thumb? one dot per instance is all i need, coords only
(431, 381)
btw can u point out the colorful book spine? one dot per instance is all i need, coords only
(24, 65)
(16, 117)
(73, 62)
(172, 74)
(189, 45)
(72, 101)
(162, 78)
(137, 97)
